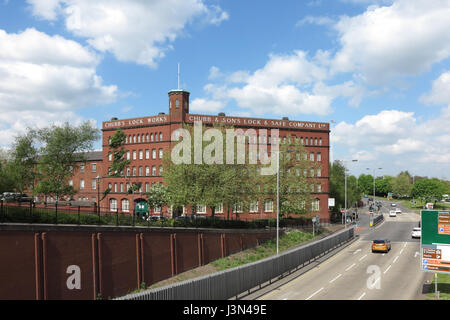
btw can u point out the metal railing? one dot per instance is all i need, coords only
(226, 284)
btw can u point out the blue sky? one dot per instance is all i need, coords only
(379, 69)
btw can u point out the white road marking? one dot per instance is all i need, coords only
(405, 244)
(362, 257)
(339, 275)
(416, 254)
(395, 259)
(401, 251)
(387, 269)
(357, 251)
(362, 296)
(350, 267)
(314, 293)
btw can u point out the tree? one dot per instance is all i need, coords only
(157, 197)
(365, 183)
(383, 186)
(337, 187)
(119, 162)
(22, 167)
(401, 185)
(428, 189)
(62, 148)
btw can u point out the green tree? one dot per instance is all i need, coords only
(117, 150)
(365, 183)
(401, 185)
(383, 186)
(62, 148)
(158, 196)
(22, 167)
(428, 189)
(337, 188)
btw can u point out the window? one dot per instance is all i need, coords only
(146, 138)
(147, 187)
(301, 140)
(305, 156)
(153, 153)
(157, 210)
(177, 103)
(128, 171)
(315, 141)
(141, 155)
(82, 168)
(319, 156)
(319, 187)
(147, 154)
(139, 138)
(71, 183)
(147, 171)
(125, 205)
(94, 184)
(134, 171)
(160, 136)
(311, 141)
(320, 141)
(113, 204)
(81, 184)
(156, 137)
(153, 170)
(311, 172)
(141, 171)
(128, 155)
(134, 138)
(115, 187)
(311, 156)
(319, 172)
(160, 153)
(134, 154)
(201, 208)
(94, 167)
(219, 208)
(237, 207)
(315, 205)
(268, 205)
(121, 187)
(254, 206)
(151, 137)
(160, 170)
(110, 156)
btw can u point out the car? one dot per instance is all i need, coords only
(392, 213)
(416, 232)
(398, 210)
(393, 204)
(381, 245)
(156, 218)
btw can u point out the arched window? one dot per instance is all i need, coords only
(268, 205)
(125, 205)
(315, 205)
(160, 136)
(112, 204)
(177, 103)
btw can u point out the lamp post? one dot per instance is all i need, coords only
(98, 193)
(374, 169)
(278, 191)
(345, 192)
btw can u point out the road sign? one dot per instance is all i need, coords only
(342, 211)
(371, 212)
(435, 241)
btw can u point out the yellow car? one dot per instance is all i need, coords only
(383, 245)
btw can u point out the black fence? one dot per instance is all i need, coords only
(73, 214)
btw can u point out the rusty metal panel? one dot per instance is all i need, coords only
(118, 263)
(69, 273)
(233, 243)
(156, 257)
(249, 240)
(17, 266)
(211, 247)
(186, 251)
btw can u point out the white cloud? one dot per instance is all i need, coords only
(132, 30)
(203, 105)
(45, 78)
(319, 20)
(440, 92)
(403, 39)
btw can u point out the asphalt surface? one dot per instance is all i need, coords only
(355, 273)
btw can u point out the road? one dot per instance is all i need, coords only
(356, 273)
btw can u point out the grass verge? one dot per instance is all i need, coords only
(443, 286)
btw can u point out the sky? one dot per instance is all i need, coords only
(377, 70)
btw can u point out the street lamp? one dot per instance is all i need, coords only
(98, 193)
(278, 191)
(345, 192)
(374, 169)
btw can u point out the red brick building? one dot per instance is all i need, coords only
(147, 139)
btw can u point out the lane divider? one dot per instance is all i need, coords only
(314, 293)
